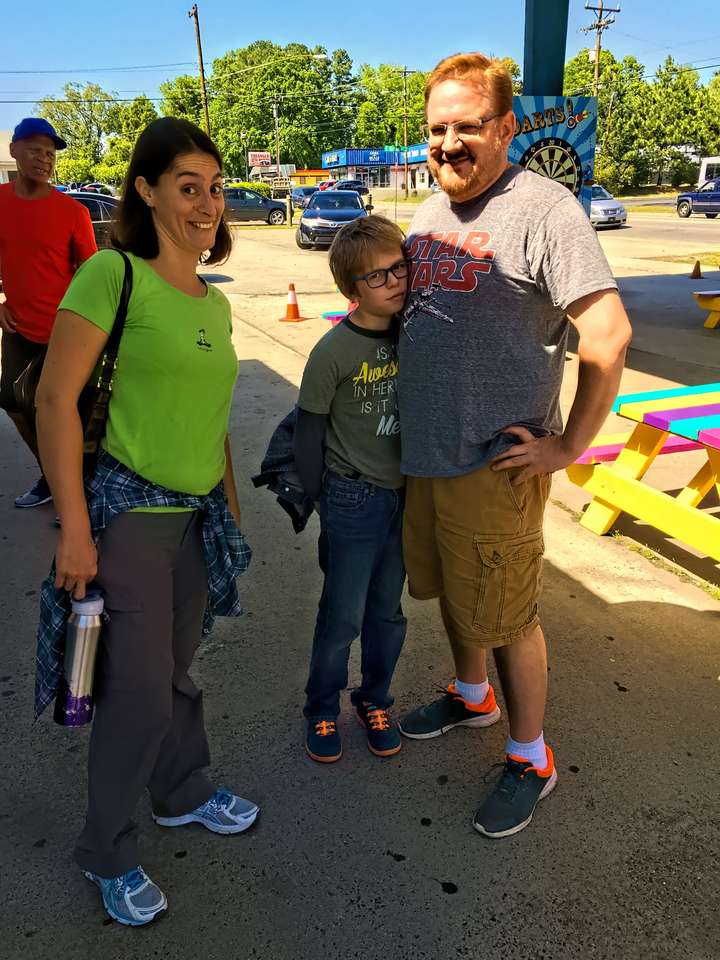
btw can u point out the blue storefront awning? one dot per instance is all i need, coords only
(348, 157)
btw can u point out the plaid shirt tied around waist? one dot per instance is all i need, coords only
(115, 489)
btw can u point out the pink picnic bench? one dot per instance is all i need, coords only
(668, 422)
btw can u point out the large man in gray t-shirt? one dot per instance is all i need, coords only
(501, 261)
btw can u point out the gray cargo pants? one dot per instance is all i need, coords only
(148, 730)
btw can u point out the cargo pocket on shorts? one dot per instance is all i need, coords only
(509, 583)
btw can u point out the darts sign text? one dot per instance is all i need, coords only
(555, 137)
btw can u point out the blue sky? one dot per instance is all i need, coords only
(76, 37)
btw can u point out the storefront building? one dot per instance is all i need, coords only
(308, 178)
(380, 167)
(369, 165)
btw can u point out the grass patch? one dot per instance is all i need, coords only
(640, 208)
(707, 258)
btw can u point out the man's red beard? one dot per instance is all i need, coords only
(453, 183)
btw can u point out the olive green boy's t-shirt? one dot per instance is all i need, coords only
(175, 374)
(351, 374)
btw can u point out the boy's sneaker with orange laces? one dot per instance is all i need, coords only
(510, 807)
(382, 732)
(323, 741)
(450, 711)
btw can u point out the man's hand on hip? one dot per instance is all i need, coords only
(537, 456)
(7, 322)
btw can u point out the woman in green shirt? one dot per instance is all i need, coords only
(166, 437)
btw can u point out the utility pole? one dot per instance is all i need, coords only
(276, 117)
(602, 22)
(405, 128)
(194, 14)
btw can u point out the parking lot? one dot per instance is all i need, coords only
(376, 858)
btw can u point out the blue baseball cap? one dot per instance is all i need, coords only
(37, 126)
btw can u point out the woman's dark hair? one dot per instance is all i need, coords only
(155, 151)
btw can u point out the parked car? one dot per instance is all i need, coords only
(357, 185)
(605, 210)
(326, 184)
(301, 195)
(325, 213)
(706, 199)
(435, 187)
(103, 210)
(242, 205)
(103, 188)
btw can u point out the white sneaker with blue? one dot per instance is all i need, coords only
(132, 899)
(222, 813)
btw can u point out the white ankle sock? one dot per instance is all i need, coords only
(534, 751)
(472, 692)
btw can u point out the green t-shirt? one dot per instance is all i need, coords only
(175, 373)
(351, 374)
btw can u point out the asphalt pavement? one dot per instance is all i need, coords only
(374, 858)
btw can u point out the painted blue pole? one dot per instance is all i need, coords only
(545, 39)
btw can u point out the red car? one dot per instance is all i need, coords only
(326, 184)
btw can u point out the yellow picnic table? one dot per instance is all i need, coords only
(668, 421)
(709, 300)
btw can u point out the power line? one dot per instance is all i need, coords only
(147, 66)
(688, 68)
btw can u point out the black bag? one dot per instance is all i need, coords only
(94, 400)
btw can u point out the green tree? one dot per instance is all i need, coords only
(182, 98)
(515, 72)
(675, 120)
(312, 91)
(125, 121)
(383, 87)
(622, 157)
(80, 117)
(128, 120)
(371, 129)
(75, 165)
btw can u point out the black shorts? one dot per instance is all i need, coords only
(16, 352)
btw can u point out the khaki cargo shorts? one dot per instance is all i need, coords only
(476, 541)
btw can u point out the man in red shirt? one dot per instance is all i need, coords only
(44, 237)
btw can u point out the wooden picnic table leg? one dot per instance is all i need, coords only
(714, 458)
(700, 485)
(643, 445)
(713, 319)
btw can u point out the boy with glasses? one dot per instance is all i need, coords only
(347, 450)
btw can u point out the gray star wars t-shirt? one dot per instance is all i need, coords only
(484, 327)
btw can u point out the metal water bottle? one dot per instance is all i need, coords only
(74, 701)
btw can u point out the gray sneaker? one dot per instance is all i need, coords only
(132, 898)
(222, 813)
(510, 807)
(450, 711)
(36, 496)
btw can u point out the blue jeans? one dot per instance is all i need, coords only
(361, 556)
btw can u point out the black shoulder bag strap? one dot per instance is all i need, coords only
(100, 387)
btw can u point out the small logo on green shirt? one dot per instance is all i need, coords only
(203, 343)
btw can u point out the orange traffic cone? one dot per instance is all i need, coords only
(292, 312)
(696, 273)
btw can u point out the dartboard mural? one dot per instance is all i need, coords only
(555, 137)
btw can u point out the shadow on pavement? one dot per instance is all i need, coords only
(369, 858)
